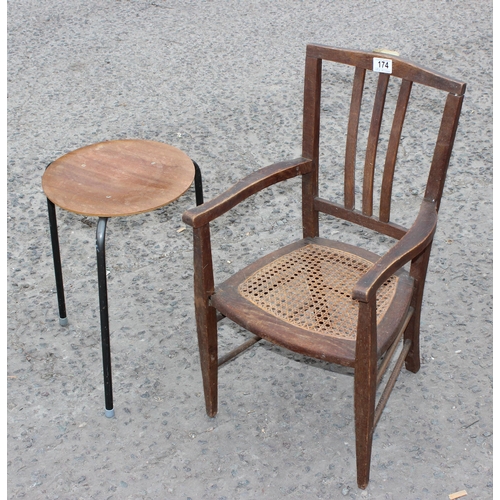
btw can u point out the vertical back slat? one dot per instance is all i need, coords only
(371, 148)
(310, 144)
(352, 138)
(392, 150)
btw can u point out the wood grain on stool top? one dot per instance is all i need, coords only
(118, 178)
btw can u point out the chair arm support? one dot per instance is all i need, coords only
(246, 187)
(418, 237)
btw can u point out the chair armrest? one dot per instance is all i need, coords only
(246, 187)
(418, 237)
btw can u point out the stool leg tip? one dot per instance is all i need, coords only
(63, 321)
(109, 413)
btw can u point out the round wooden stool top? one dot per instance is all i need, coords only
(116, 178)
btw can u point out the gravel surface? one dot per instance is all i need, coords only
(223, 80)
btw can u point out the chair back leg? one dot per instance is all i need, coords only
(412, 332)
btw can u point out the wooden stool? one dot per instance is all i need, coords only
(113, 179)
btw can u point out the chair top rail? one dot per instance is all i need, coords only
(401, 68)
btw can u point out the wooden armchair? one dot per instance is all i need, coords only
(325, 299)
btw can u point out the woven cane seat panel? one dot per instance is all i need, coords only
(310, 288)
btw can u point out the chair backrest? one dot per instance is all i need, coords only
(406, 75)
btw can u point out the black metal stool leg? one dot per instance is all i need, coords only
(103, 308)
(198, 185)
(63, 320)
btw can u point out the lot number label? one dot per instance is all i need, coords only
(382, 65)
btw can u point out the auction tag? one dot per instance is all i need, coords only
(382, 65)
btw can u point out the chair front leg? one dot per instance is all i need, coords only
(365, 386)
(418, 271)
(206, 317)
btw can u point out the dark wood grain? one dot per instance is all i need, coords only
(206, 317)
(414, 242)
(245, 188)
(392, 150)
(444, 146)
(365, 386)
(388, 228)
(352, 138)
(310, 145)
(401, 68)
(373, 138)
